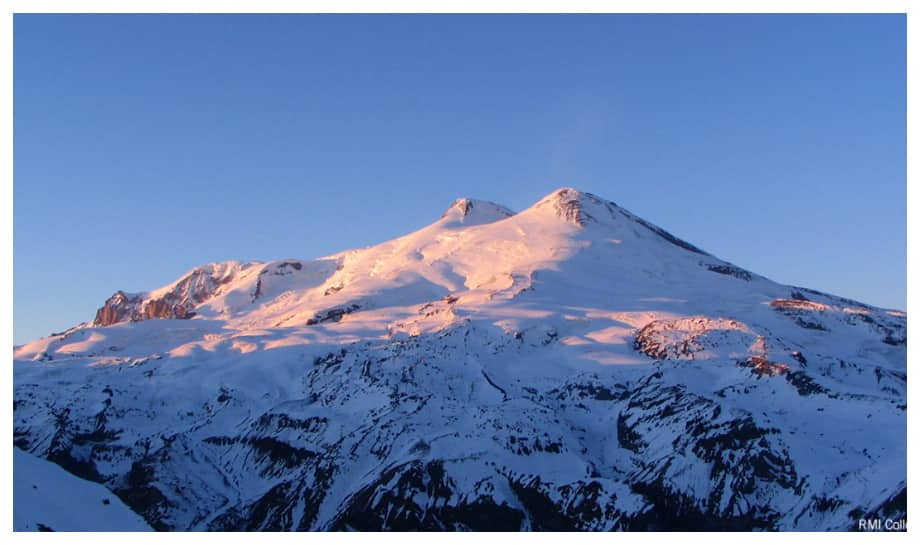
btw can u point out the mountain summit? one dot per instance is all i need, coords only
(469, 212)
(569, 366)
(573, 206)
(477, 251)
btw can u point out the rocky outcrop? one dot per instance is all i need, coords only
(690, 338)
(836, 312)
(730, 270)
(762, 367)
(332, 315)
(120, 307)
(166, 308)
(176, 302)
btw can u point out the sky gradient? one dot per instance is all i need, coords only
(145, 145)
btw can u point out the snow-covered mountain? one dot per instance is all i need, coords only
(570, 366)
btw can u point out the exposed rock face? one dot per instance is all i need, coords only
(731, 270)
(124, 308)
(695, 338)
(838, 313)
(176, 302)
(165, 308)
(573, 206)
(120, 307)
(761, 366)
(332, 315)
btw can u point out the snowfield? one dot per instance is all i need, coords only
(51, 499)
(567, 367)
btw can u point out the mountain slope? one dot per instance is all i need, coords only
(47, 498)
(571, 366)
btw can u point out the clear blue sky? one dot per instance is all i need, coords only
(148, 144)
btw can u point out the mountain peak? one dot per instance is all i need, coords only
(576, 207)
(469, 212)
(564, 192)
